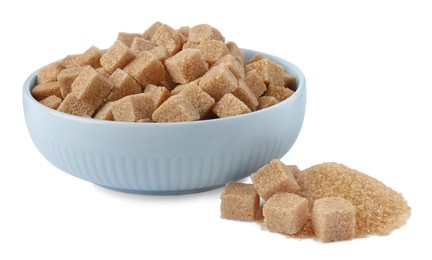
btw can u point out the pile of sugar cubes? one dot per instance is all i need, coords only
(163, 75)
(333, 218)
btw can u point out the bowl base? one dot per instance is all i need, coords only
(162, 193)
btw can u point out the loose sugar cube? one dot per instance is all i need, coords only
(255, 83)
(46, 89)
(295, 170)
(91, 87)
(333, 219)
(168, 38)
(186, 66)
(134, 107)
(266, 101)
(212, 50)
(218, 81)
(128, 38)
(233, 65)
(203, 32)
(175, 109)
(245, 94)
(235, 51)
(160, 94)
(66, 77)
(74, 106)
(272, 178)
(118, 56)
(278, 92)
(285, 213)
(49, 73)
(229, 105)
(167, 82)
(239, 201)
(51, 101)
(202, 101)
(148, 34)
(105, 112)
(123, 85)
(140, 44)
(146, 69)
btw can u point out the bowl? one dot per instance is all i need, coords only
(166, 158)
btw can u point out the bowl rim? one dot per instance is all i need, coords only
(301, 87)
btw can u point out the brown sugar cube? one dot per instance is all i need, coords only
(66, 77)
(145, 120)
(285, 213)
(272, 178)
(255, 83)
(146, 69)
(268, 70)
(161, 53)
(255, 58)
(70, 61)
(218, 81)
(134, 107)
(290, 81)
(229, 105)
(91, 87)
(202, 101)
(148, 34)
(160, 94)
(175, 109)
(190, 45)
(51, 101)
(184, 30)
(90, 57)
(123, 85)
(278, 92)
(105, 112)
(167, 82)
(239, 201)
(46, 89)
(140, 44)
(266, 101)
(74, 106)
(103, 71)
(118, 56)
(49, 73)
(128, 38)
(233, 65)
(235, 51)
(168, 38)
(245, 94)
(212, 50)
(295, 170)
(186, 66)
(203, 32)
(334, 219)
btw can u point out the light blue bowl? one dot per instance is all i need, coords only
(166, 158)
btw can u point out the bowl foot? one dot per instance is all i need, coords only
(162, 193)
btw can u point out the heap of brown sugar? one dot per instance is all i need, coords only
(333, 193)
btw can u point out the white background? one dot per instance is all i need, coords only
(368, 66)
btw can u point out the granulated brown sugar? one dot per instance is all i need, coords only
(379, 209)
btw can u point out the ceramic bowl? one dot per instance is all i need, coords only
(166, 158)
